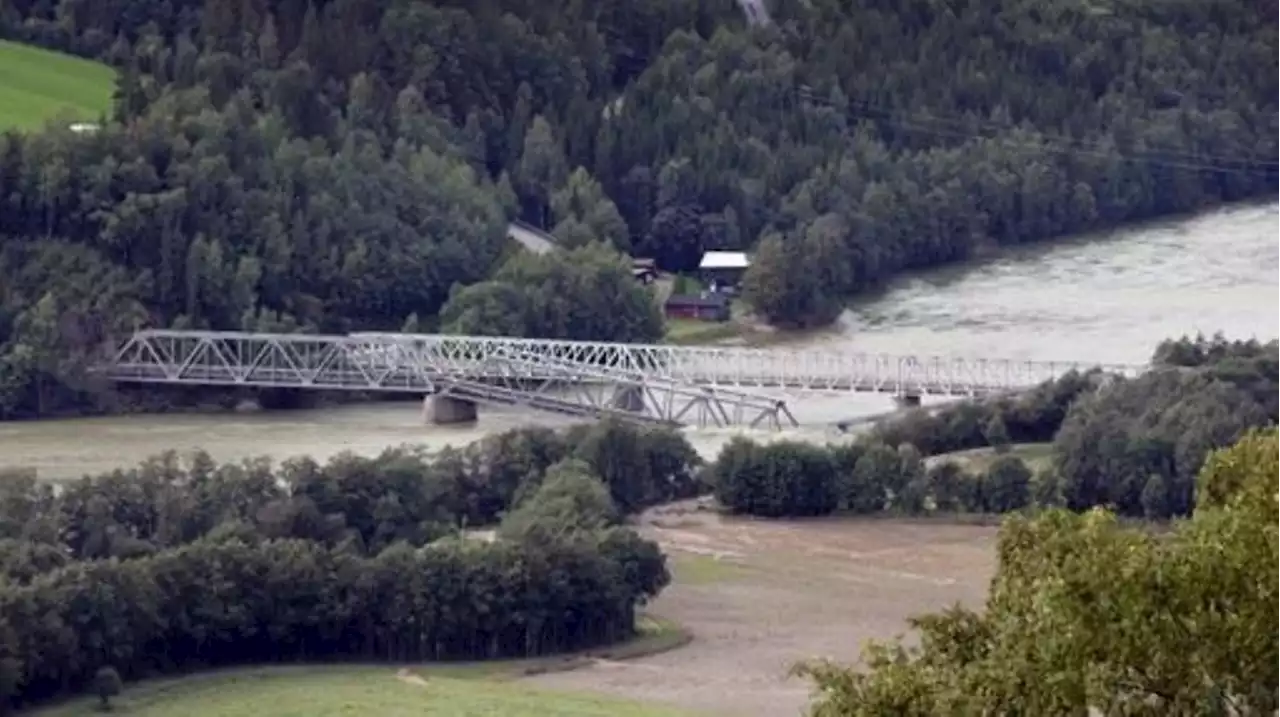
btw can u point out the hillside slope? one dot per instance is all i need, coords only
(344, 164)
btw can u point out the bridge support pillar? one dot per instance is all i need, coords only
(907, 400)
(444, 410)
(629, 398)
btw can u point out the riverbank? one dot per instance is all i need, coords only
(1091, 301)
(62, 450)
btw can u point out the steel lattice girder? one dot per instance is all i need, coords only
(593, 396)
(507, 378)
(656, 395)
(392, 362)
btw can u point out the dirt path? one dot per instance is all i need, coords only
(798, 590)
(407, 677)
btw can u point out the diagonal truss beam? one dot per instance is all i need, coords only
(656, 375)
(669, 400)
(819, 370)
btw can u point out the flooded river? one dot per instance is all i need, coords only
(1099, 299)
(1108, 298)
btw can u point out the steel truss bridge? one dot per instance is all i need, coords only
(648, 383)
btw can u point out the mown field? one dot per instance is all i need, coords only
(37, 85)
(334, 691)
(442, 690)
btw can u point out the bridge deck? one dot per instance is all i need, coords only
(506, 375)
(417, 363)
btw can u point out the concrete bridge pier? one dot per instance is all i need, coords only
(629, 398)
(446, 410)
(907, 400)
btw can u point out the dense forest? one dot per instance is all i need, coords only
(1132, 445)
(350, 164)
(181, 564)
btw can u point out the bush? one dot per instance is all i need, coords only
(1163, 423)
(569, 501)
(875, 470)
(642, 468)
(1046, 489)
(1031, 417)
(1005, 487)
(953, 490)
(996, 434)
(786, 478)
(107, 684)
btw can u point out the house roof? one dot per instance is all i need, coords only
(724, 260)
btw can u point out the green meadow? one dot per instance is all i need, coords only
(38, 85)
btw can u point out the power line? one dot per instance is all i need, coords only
(958, 128)
(998, 126)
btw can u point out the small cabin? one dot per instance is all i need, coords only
(723, 270)
(708, 306)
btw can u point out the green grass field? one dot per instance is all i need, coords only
(341, 691)
(703, 569)
(37, 85)
(978, 460)
(691, 332)
(480, 689)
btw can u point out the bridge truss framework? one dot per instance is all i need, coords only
(816, 370)
(669, 384)
(507, 375)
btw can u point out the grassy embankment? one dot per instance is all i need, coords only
(38, 85)
(691, 332)
(387, 691)
(977, 460)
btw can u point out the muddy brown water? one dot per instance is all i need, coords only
(1101, 298)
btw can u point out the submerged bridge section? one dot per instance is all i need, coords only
(505, 373)
(651, 383)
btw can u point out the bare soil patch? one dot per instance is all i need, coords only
(794, 590)
(409, 678)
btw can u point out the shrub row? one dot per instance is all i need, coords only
(1030, 417)
(1132, 444)
(223, 601)
(404, 494)
(790, 478)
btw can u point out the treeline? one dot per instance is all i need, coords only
(177, 565)
(1133, 445)
(889, 469)
(344, 163)
(237, 191)
(794, 479)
